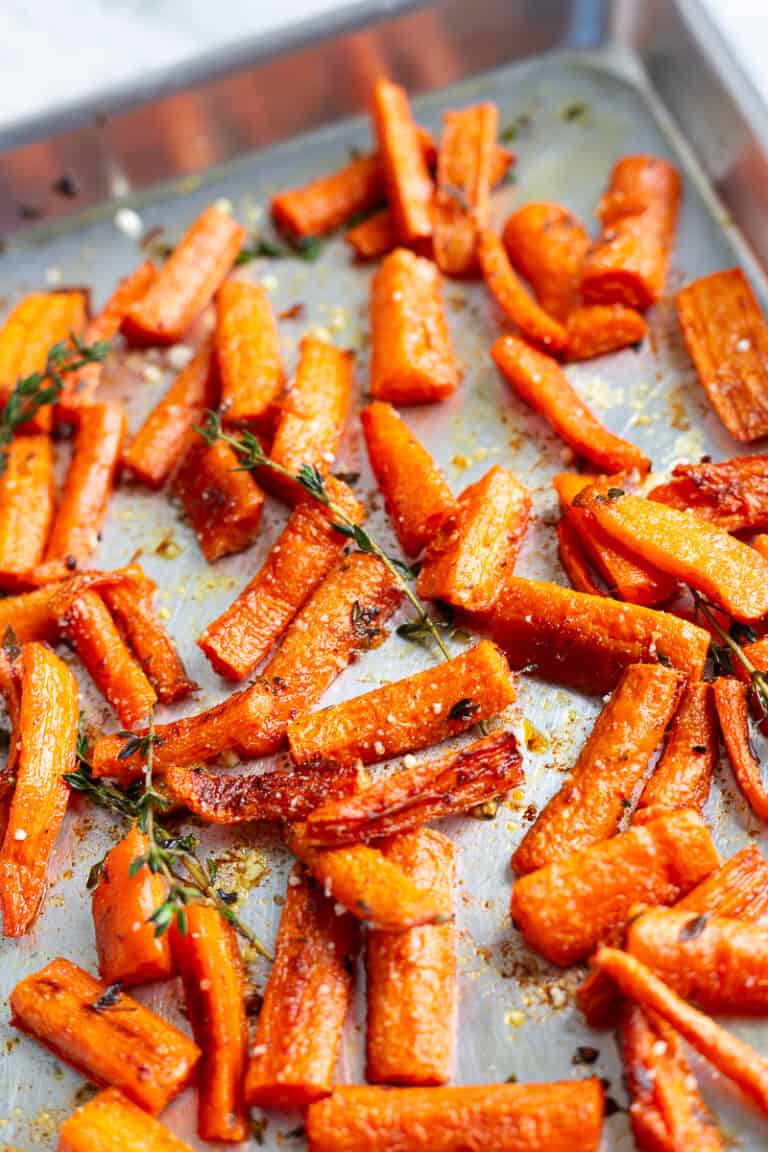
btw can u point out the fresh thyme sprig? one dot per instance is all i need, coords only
(758, 679)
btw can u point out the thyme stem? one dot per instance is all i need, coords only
(758, 679)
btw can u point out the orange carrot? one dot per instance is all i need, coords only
(10, 690)
(756, 653)
(46, 739)
(416, 495)
(412, 360)
(597, 329)
(477, 543)
(298, 1032)
(188, 280)
(31, 616)
(573, 559)
(732, 494)
(547, 245)
(329, 201)
(411, 977)
(682, 776)
(611, 766)
(129, 951)
(731, 701)
(372, 237)
(408, 714)
(110, 1038)
(513, 298)
(565, 909)
(111, 1123)
(248, 351)
(463, 186)
(208, 959)
(408, 183)
(27, 499)
(222, 501)
(638, 214)
(30, 330)
(760, 542)
(539, 381)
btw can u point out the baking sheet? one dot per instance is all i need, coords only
(575, 115)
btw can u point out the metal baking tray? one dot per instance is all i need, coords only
(596, 81)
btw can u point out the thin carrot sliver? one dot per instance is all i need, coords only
(731, 701)
(409, 186)
(513, 298)
(27, 501)
(222, 501)
(547, 245)
(464, 167)
(682, 776)
(247, 351)
(573, 559)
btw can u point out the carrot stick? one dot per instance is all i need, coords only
(416, 494)
(129, 951)
(638, 214)
(10, 690)
(248, 351)
(159, 444)
(27, 500)
(372, 237)
(732, 494)
(413, 796)
(731, 701)
(30, 330)
(408, 183)
(565, 909)
(586, 641)
(463, 186)
(597, 329)
(540, 382)
(412, 360)
(329, 201)
(208, 959)
(110, 1038)
(223, 503)
(556, 1117)
(31, 616)
(298, 1032)
(611, 765)
(682, 776)
(111, 1123)
(573, 559)
(411, 977)
(478, 542)
(547, 245)
(513, 298)
(407, 714)
(188, 280)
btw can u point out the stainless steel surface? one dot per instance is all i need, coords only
(516, 1012)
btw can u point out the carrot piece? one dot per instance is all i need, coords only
(611, 765)
(321, 641)
(119, 1043)
(188, 280)
(222, 501)
(638, 214)
(540, 382)
(372, 237)
(208, 959)
(731, 701)
(10, 690)
(547, 245)
(731, 1056)
(412, 360)
(27, 499)
(31, 616)
(573, 559)
(409, 186)
(727, 571)
(298, 1032)
(329, 201)
(111, 1123)
(477, 543)
(408, 714)
(513, 298)
(30, 330)
(463, 186)
(682, 776)
(159, 444)
(555, 1117)
(248, 351)
(738, 889)
(586, 641)
(428, 791)
(733, 494)
(46, 739)
(416, 494)
(411, 976)
(756, 653)
(129, 951)
(597, 329)
(565, 909)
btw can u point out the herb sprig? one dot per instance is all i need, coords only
(732, 643)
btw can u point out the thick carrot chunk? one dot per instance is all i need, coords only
(248, 351)
(372, 237)
(732, 494)
(223, 503)
(329, 201)
(30, 330)
(111, 1123)
(464, 170)
(27, 499)
(547, 245)
(32, 615)
(682, 776)
(597, 329)
(512, 297)
(409, 186)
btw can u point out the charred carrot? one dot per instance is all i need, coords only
(597, 329)
(411, 977)
(207, 956)
(129, 951)
(373, 237)
(682, 776)
(412, 360)
(111, 1123)
(27, 499)
(638, 214)
(511, 295)
(409, 186)
(298, 1032)
(731, 701)
(547, 245)
(732, 494)
(110, 1038)
(573, 559)
(248, 351)
(416, 494)
(31, 329)
(408, 714)
(188, 280)
(329, 201)
(463, 186)
(477, 543)
(540, 382)
(565, 909)
(611, 765)
(222, 501)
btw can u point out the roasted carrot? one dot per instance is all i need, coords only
(412, 360)
(188, 280)
(223, 503)
(556, 1117)
(573, 559)
(329, 201)
(540, 382)
(731, 701)
(597, 329)
(27, 499)
(10, 691)
(407, 714)
(760, 542)
(638, 214)
(464, 166)
(30, 330)
(756, 653)
(110, 1038)
(409, 186)
(207, 956)
(477, 543)
(586, 641)
(682, 776)
(111, 1123)
(513, 298)
(611, 765)
(31, 616)
(547, 245)
(411, 976)
(732, 494)
(372, 237)
(159, 444)
(416, 494)
(298, 1032)
(129, 951)
(248, 351)
(565, 909)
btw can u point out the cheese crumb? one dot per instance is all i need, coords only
(128, 221)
